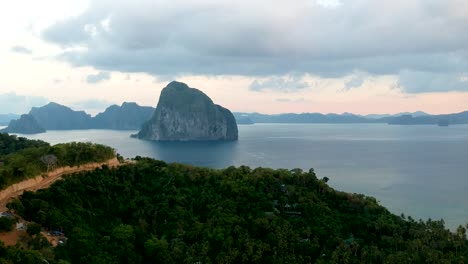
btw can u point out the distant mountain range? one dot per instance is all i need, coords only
(301, 118)
(128, 116)
(53, 116)
(414, 114)
(416, 118)
(441, 120)
(131, 116)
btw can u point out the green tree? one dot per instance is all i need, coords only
(33, 229)
(6, 223)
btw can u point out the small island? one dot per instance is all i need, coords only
(187, 114)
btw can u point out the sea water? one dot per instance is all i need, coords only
(420, 170)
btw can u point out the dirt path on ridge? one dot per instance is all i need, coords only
(37, 183)
(42, 182)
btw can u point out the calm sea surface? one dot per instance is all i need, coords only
(420, 171)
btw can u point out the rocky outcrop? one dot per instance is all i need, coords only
(187, 114)
(26, 124)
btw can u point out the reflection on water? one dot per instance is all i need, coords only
(207, 154)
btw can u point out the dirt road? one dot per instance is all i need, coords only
(42, 182)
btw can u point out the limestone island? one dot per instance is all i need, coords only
(26, 124)
(187, 114)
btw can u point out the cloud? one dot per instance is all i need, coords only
(418, 81)
(328, 38)
(283, 84)
(99, 77)
(356, 80)
(19, 104)
(288, 100)
(21, 49)
(329, 3)
(91, 105)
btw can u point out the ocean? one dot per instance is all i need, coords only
(420, 170)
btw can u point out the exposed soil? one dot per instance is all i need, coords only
(45, 180)
(10, 238)
(37, 183)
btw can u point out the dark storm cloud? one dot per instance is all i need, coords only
(99, 77)
(21, 49)
(410, 39)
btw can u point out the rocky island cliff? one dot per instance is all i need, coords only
(187, 114)
(26, 124)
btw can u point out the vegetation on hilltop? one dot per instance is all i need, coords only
(12, 143)
(153, 212)
(21, 158)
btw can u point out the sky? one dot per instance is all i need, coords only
(328, 56)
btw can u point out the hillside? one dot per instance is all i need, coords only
(46, 179)
(153, 212)
(12, 143)
(21, 158)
